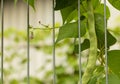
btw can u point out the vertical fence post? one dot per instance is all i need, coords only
(28, 44)
(2, 39)
(106, 56)
(79, 41)
(53, 23)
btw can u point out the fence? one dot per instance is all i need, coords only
(53, 49)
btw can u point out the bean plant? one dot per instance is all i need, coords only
(92, 26)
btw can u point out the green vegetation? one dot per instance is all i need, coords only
(92, 16)
(92, 46)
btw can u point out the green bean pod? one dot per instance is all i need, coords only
(93, 44)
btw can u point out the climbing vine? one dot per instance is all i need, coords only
(92, 20)
(92, 31)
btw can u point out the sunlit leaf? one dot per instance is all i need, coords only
(66, 12)
(73, 16)
(71, 30)
(100, 9)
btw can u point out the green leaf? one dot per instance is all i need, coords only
(112, 79)
(31, 3)
(115, 3)
(114, 61)
(73, 16)
(71, 30)
(60, 4)
(99, 26)
(85, 45)
(95, 3)
(100, 9)
(66, 12)
(70, 13)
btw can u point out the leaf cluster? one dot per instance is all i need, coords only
(69, 29)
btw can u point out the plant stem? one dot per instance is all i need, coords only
(93, 45)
